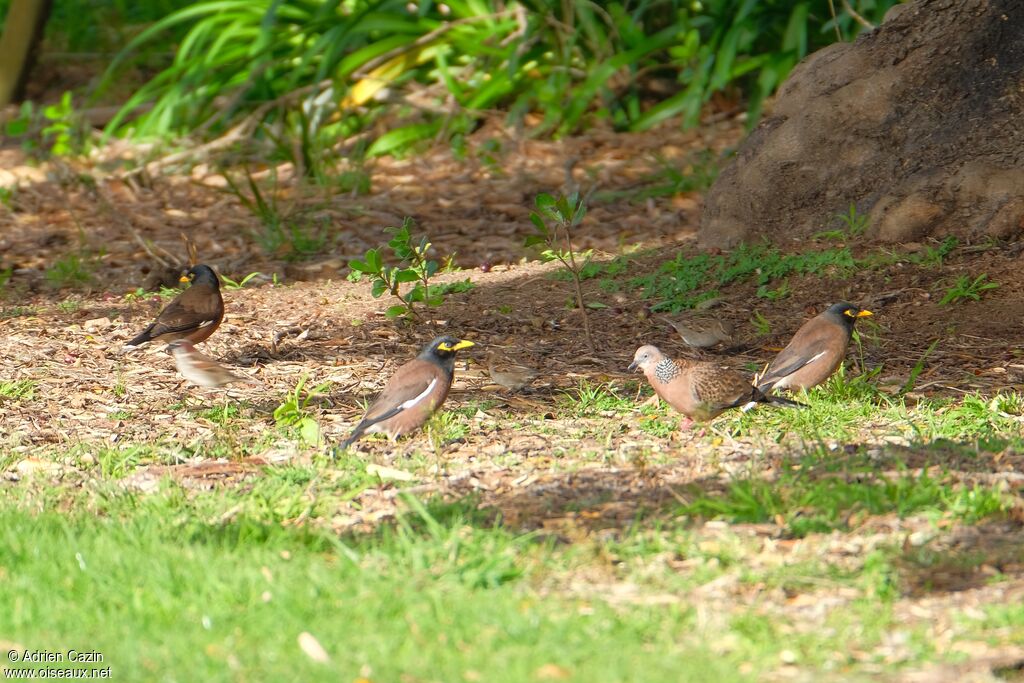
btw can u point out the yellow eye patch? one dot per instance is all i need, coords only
(445, 346)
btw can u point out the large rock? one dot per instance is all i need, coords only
(919, 123)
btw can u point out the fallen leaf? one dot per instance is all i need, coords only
(312, 647)
(387, 473)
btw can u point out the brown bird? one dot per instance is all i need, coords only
(413, 393)
(193, 315)
(200, 369)
(815, 351)
(699, 390)
(702, 334)
(509, 374)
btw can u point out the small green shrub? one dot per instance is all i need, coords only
(413, 267)
(966, 289)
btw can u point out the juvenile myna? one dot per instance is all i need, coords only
(702, 334)
(200, 369)
(193, 315)
(413, 393)
(699, 390)
(509, 374)
(815, 351)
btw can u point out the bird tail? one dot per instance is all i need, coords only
(353, 437)
(761, 397)
(142, 338)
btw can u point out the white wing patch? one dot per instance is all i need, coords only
(814, 358)
(416, 399)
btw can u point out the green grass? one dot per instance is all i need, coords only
(966, 289)
(18, 390)
(589, 398)
(827, 501)
(451, 592)
(74, 269)
(447, 592)
(149, 579)
(687, 280)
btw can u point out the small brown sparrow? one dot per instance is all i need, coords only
(200, 369)
(509, 374)
(702, 334)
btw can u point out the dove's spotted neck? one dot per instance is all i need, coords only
(666, 370)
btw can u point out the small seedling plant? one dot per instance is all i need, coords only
(414, 268)
(555, 220)
(296, 411)
(238, 284)
(966, 289)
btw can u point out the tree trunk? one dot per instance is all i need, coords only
(919, 124)
(23, 29)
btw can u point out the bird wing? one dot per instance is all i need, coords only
(193, 309)
(719, 387)
(401, 393)
(791, 359)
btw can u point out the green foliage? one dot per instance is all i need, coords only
(826, 501)
(293, 235)
(18, 390)
(772, 294)
(102, 27)
(118, 462)
(232, 285)
(934, 256)
(71, 270)
(685, 281)
(165, 293)
(413, 267)
(564, 215)
(918, 368)
(61, 127)
(295, 411)
(57, 128)
(966, 289)
(761, 324)
(854, 225)
(589, 398)
(572, 63)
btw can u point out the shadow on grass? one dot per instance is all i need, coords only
(966, 558)
(820, 492)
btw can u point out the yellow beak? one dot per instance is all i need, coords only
(864, 314)
(463, 344)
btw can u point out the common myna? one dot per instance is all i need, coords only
(702, 334)
(699, 390)
(815, 351)
(413, 393)
(200, 369)
(508, 373)
(193, 315)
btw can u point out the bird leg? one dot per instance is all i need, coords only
(686, 425)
